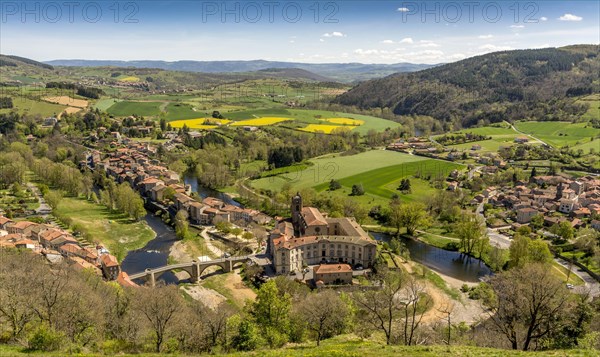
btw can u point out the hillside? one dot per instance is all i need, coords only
(511, 85)
(344, 72)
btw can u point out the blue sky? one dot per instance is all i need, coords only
(304, 31)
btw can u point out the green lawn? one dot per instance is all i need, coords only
(335, 166)
(118, 233)
(559, 133)
(126, 108)
(105, 103)
(587, 146)
(594, 102)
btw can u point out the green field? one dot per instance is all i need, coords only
(177, 111)
(118, 233)
(501, 136)
(335, 166)
(105, 103)
(559, 134)
(588, 146)
(126, 108)
(594, 102)
(29, 106)
(383, 181)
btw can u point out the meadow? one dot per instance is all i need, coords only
(325, 168)
(500, 136)
(594, 102)
(559, 134)
(127, 108)
(28, 106)
(117, 232)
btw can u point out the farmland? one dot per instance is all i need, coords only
(559, 134)
(500, 136)
(260, 121)
(65, 100)
(328, 167)
(199, 123)
(28, 106)
(326, 129)
(126, 108)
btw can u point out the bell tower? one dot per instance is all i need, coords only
(296, 210)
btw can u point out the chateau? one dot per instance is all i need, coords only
(311, 239)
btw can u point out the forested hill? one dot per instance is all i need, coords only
(508, 85)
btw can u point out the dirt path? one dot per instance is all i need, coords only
(240, 292)
(208, 297)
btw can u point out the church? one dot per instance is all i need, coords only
(311, 238)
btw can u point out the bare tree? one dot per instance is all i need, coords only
(447, 310)
(530, 304)
(415, 303)
(324, 314)
(159, 306)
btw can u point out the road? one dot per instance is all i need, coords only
(43, 210)
(531, 136)
(498, 239)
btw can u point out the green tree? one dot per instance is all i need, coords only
(53, 198)
(271, 312)
(324, 314)
(334, 185)
(357, 190)
(472, 233)
(181, 224)
(409, 215)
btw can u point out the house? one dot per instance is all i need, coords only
(22, 227)
(524, 215)
(595, 224)
(521, 140)
(567, 205)
(110, 266)
(50, 121)
(4, 222)
(333, 274)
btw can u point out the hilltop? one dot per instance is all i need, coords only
(343, 72)
(510, 85)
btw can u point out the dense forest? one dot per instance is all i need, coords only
(510, 85)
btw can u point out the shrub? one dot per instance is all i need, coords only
(44, 338)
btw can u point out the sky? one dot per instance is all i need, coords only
(300, 31)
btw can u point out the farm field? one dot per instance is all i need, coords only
(329, 167)
(105, 103)
(559, 134)
(65, 100)
(177, 111)
(588, 146)
(594, 102)
(128, 79)
(500, 137)
(345, 121)
(118, 233)
(325, 128)
(126, 108)
(29, 106)
(383, 181)
(199, 123)
(263, 121)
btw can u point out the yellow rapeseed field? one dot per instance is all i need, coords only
(260, 121)
(199, 123)
(345, 121)
(327, 129)
(129, 79)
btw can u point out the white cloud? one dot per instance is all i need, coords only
(427, 44)
(543, 18)
(493, 48)
(321, 40)
(485, 37)
(334, 34)
(387, 42)
(403, 9)
(570, 17)
(406, 40)
(292, 41)
(517, 26)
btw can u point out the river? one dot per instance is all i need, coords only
(156, 251)
(446, 262)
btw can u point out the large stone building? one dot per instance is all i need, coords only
(311, 239)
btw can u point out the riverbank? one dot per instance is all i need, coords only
(118, 233)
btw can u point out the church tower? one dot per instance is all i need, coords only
(296, 210)
(559, 191)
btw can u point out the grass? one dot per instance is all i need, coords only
(117, 232)
(561, 272)
(325, 128)
(126, 108)
(198, 123)
(336, 166)
(263, 121)
(342, 346)
(129, 79)
(593, 101)
(345, 121)
(31, 107)
(105, 103)
(557, 133)
(177, 111)
(588, 146)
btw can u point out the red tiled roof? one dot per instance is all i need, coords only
(332, 268)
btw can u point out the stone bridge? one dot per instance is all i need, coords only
(194, 268)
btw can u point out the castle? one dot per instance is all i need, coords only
(311, 238)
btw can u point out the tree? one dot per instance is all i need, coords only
(472, 234)
(518, 251)
(334, 185)
(564, 230)
(53, 198)
(181, 224)
(271, 311)
(324, 314)
(408, 215)
(159, 306)
(530, 304)
(404, 185)
(357, 190)
(537, 222)
(533, 172)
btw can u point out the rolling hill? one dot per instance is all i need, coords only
(343, 72)
(511, 85)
